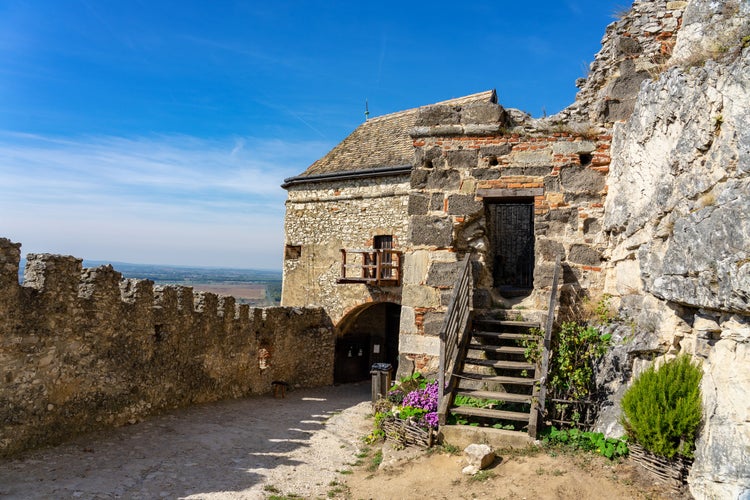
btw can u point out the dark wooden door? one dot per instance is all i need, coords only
(512, 230)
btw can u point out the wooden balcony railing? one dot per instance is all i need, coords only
(371, 266)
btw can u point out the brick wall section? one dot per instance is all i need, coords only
(84, 349)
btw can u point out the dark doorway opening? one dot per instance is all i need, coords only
(367, 335)
(512, 236)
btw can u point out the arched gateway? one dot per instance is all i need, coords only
(366, 335)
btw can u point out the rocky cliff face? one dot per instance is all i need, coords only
(678, 219)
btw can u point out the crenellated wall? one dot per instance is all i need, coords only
(82, 349)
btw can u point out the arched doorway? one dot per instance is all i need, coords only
(367, 335)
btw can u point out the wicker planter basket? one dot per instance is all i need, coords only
(673, 472)
(407, 433)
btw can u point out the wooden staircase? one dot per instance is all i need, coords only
(496, 377)
(482, 364)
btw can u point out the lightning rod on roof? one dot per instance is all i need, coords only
(367, 111)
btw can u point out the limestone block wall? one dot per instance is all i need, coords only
(83, 349)
(323, 218)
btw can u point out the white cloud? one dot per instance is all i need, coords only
(175, 199)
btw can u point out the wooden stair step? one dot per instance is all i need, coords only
(502, 335)
(484, 412)
(511, 365)
(500, 349)
(507, 397)
(498, 379)
(506, 322)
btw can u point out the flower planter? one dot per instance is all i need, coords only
(407, 432)
(672, 472)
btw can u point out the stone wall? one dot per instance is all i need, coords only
(467, 157)
(678, 218)
(634, 48)
(84, 349)
(323, 218)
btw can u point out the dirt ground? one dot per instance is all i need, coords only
(306, 446)
(516, 474)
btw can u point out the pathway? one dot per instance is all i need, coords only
(230, 450)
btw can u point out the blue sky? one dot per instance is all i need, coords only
(159, 132)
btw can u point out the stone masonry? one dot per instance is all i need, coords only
(84, 349)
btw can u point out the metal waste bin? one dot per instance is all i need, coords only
(381, 380)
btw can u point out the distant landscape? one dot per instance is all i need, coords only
(248, 286)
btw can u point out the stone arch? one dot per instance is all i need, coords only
(367, 334)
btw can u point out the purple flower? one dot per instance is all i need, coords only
(431, 419)
(426, 399)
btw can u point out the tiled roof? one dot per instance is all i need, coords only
(381, 142)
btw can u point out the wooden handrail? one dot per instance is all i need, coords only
(453, 337)
(541, 401)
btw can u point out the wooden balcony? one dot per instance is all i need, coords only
(381, 267)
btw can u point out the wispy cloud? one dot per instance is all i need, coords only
(105, 193)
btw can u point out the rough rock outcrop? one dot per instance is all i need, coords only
(678, 216)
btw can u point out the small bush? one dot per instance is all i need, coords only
(662, 409)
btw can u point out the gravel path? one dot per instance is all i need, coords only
(236, 450)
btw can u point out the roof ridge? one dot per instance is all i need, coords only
(491, 94)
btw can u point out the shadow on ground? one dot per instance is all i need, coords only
(202, 451)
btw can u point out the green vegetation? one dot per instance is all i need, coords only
(662, 409)
(575, 439)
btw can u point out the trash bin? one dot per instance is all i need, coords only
(381, 380)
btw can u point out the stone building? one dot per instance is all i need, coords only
(641, 185)
(425, 187)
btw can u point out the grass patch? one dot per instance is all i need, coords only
(271, 488)
(377, 459)
(482, 475)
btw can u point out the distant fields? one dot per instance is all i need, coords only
(249, 286)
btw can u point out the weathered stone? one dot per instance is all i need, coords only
(571, 148)
(443, 179)
(463, 204)
(420, 296)
(433, 322)
(496, 151)
(465, 159)
(415, 267)
(437, 115)
(437, 202)
(584, 254)
(532, 158)
(579, 179)
(483, 113)
(443, 274)
(432, 230)
(549, 249)
(485, 173)
(418, 204)
(480, 456)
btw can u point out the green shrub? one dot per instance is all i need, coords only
(662, 409)
(587, 441)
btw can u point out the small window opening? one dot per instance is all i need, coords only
(585, 158)
(292, 252)
(492, 160)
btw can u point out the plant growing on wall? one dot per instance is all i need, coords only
(662, 409)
